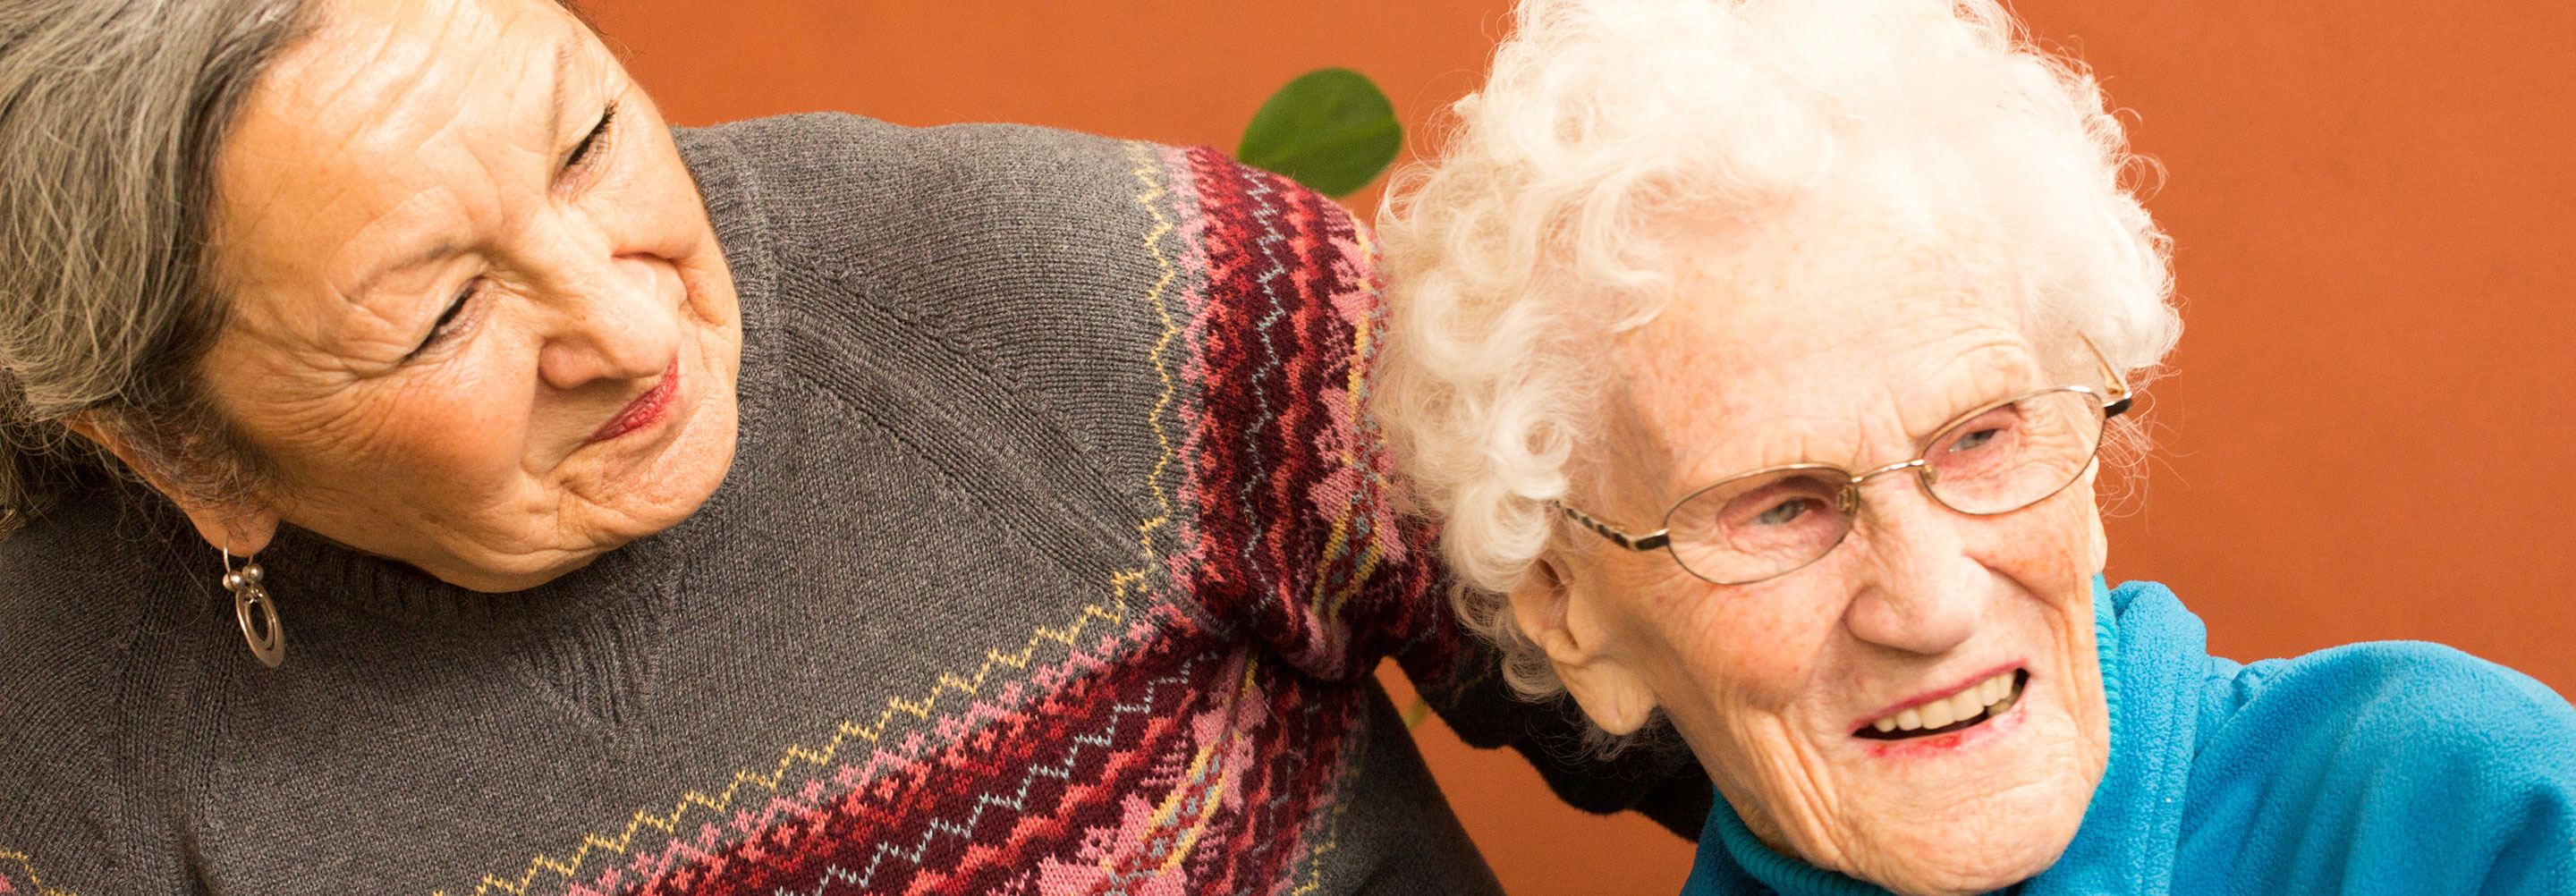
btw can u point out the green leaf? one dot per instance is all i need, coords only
(1331, 129)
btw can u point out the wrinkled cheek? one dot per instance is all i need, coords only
(462, 435)
(1737, 671)
(2098, 556)
(1725, 637)
(2056, 549)
(2088, 504)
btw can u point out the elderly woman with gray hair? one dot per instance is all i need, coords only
(1757, 357)
(431, 474)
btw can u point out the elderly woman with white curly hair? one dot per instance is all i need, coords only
(1757, 358)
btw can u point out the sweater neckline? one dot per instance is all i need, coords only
(1729, 852)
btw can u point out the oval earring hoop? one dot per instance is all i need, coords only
(254, 610)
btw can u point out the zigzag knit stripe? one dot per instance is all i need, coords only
(1196, 777)
(1273, 346)
(885, 762)
(1027, 781)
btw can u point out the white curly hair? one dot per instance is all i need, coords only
(1529, 239)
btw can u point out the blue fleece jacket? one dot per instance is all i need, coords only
(2397, 768)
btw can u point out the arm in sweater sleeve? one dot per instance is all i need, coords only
(1298, 493)
(1162, 331)
(2385, 768)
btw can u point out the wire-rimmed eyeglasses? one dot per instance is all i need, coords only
(1996, 459)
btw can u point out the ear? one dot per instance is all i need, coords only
(242, 528)
(1564, 621)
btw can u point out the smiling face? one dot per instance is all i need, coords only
(1842, 334)
(479, 320)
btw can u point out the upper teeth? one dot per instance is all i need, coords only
(1965, 704)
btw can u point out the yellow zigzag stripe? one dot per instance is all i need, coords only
(1146, 169)
(1354, 391)
(945, 683)
(670, 822)
(27, 869)
(1341, 801)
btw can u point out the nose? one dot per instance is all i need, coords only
(616, 318)
(1919, 590)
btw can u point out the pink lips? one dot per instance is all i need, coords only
(646, 409)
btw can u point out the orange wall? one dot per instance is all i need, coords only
(2369, 433)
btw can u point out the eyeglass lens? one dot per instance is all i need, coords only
(1996, 460)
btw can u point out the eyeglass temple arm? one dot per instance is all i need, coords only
(1650, 541)
(2119, 386)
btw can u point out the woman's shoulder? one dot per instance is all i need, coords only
(80, 643)
(824, 143)
(1140, 326)
(2435, 701)
(1033, 285)
(79, 602)
(2353, 695)
(877, 197)
(836, 183)
(2423, 767)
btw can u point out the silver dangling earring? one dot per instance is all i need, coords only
(256, 613)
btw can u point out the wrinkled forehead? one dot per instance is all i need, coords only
(383, 74)
(1832, 329)
(1869, 239)
(390, 117)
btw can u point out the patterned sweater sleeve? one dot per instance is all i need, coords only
(1295, 543)
(1299, 536)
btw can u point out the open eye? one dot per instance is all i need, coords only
(1784, 513)
(1985, 433)
(1785, 501)
(1971, 441)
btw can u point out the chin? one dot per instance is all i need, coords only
(1966, 812)
(682, 478)
(2008, 835)
(663, 490)
(503, 577)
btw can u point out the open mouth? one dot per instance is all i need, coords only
(1966, 709)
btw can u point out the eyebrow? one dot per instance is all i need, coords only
(436, 252)
(555, 106)
(442, 251)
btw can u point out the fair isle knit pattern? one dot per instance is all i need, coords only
(1055, 560)
(1156, 758)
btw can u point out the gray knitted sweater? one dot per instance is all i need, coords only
(1054, 559)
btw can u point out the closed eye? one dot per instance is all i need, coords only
(446, 324)
(598, 132)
